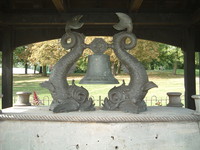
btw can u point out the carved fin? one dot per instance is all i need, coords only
(53, 105)
(149, 85)
(106, 104)
(87, 105)
(70, 105)
(48, 85)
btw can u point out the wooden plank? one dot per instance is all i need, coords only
(30, 34)
(196, 17)
(135, 5)
(189, 68)
(7, 72)
(197, 39)
(59, 4)
(95, 19)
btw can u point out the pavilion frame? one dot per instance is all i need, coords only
(174, 29)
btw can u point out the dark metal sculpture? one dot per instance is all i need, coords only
(68, 97)
(127, 98)
(99, 68)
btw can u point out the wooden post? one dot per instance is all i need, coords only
(189, 68)
(7, 65)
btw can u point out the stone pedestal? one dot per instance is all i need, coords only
(23, 99)
(37, 128)
(197, 102)
(174, 99)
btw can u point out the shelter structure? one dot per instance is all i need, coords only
(174, 22)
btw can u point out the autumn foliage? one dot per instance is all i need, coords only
(47, 53)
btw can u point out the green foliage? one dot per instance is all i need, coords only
(168, 57)
(197, 60)
(0, 57)
(153, 55)
(164, 79)
(81, 65)
(20, 56)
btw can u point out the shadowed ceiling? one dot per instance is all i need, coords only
(49, 16)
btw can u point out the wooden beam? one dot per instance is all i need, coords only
(95, 19)
(30, 34)
(1, 18)
(168, 35)
(189, 67)
(197, 39)
(7, 72)
(183, 4)
(135, 5)
(196, 17)
(59, 4)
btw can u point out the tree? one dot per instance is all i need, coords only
(21, 54)
(197, 60)
(146, 52)
(81, 64)
(46, 53)
(170, 57)
(177, 54)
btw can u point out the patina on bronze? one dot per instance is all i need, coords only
(98, 69)
(67, 97)
(127, 98)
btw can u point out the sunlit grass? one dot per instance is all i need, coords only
(166, 81)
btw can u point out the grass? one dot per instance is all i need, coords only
(166, 81)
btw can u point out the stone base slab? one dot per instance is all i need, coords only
(163, 128)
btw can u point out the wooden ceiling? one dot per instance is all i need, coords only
(127, 6)
(158, 20)
(10, 8)
(155, 6)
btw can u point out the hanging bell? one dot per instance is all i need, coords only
(99, 70)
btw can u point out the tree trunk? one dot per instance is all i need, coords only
(114, 68)
(44, 70)
(40, 72)
(26, 68)
(119, 67)
(151, 66)
(35, 67)
(175, 67)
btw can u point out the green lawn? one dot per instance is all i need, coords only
(164, 79)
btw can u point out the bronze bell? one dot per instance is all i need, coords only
(99, 71)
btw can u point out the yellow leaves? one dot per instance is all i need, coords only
(107, 39)
(89, 39)
(145, 50)
(24, 55)
(46, 52)
(49, 52)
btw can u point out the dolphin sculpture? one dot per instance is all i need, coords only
(128, 98)
(68, 97)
